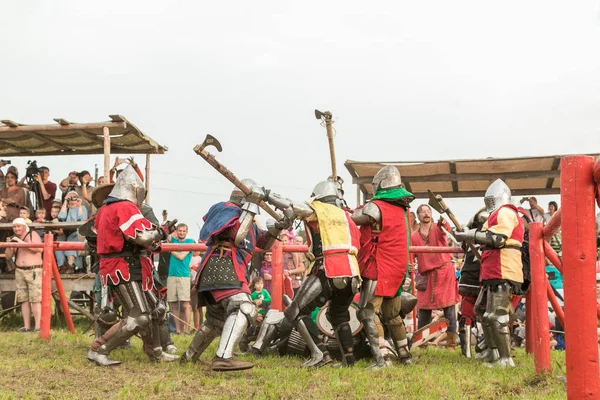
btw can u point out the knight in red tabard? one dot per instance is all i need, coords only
(123, 235)
(501, 269)
(383, 260)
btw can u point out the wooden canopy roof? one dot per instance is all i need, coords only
(64, 138)
(466, 178)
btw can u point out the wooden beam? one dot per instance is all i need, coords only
(470, 177)
(49, 141)
(79, 152)
(91, 136)
(147, 178)
(9, 123)
(106, 134)
(453, 172)
(58, 127)
(21, 149)
(481, 193)
(117, 118)
(555, 165)
(62, 121)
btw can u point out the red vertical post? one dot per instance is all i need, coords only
(277, 276)
(63, 297)
(414, 293)
(577, 193)
(530, 327)
(560, 315)
(541, 347)
(48, 256)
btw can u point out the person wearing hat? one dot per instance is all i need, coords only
(28, 274)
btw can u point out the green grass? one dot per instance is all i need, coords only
(33, 368)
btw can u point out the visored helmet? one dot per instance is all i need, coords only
(327, 192)
(496, 195)
(129, 186)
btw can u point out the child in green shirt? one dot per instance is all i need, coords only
(261, 298)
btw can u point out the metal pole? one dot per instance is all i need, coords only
(106, 133)
(577, 193)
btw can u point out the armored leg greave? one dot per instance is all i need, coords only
(138, 320)
(464, 333)
(267, 333)
(366, 315)
(202, 339)
(319, 355)
(497, 316)
(343, 333)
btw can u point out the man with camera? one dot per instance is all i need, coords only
(79, 182)
(40, 179)
(28, 274)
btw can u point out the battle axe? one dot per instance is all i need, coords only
(213, 141)
(326, 117)
(436, 201)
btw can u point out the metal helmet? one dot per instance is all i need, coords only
(327, 192)
(237, 196)
(386, 178)
(496, 195)
(129, 186)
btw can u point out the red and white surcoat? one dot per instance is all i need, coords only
(114, 223)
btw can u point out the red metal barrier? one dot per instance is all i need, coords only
(579, 257)
(541, 348)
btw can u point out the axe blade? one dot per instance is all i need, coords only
(434, 203)
(210, 140)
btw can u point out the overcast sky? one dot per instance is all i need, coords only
(405, 81)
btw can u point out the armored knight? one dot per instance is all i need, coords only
(501, 268)
(333, 242)
(469, 288)
(383, 260)
(232, 237)
(123, 234)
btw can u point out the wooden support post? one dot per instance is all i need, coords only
(577, 193)
(48, 256)
(277, 276)
(147, 180)
(358, 202)
(106, 133)
(541, 348)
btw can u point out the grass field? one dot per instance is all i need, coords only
(32, 368)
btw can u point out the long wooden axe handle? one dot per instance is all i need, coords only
(327, 116)
(209, 158)
(446, 210)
